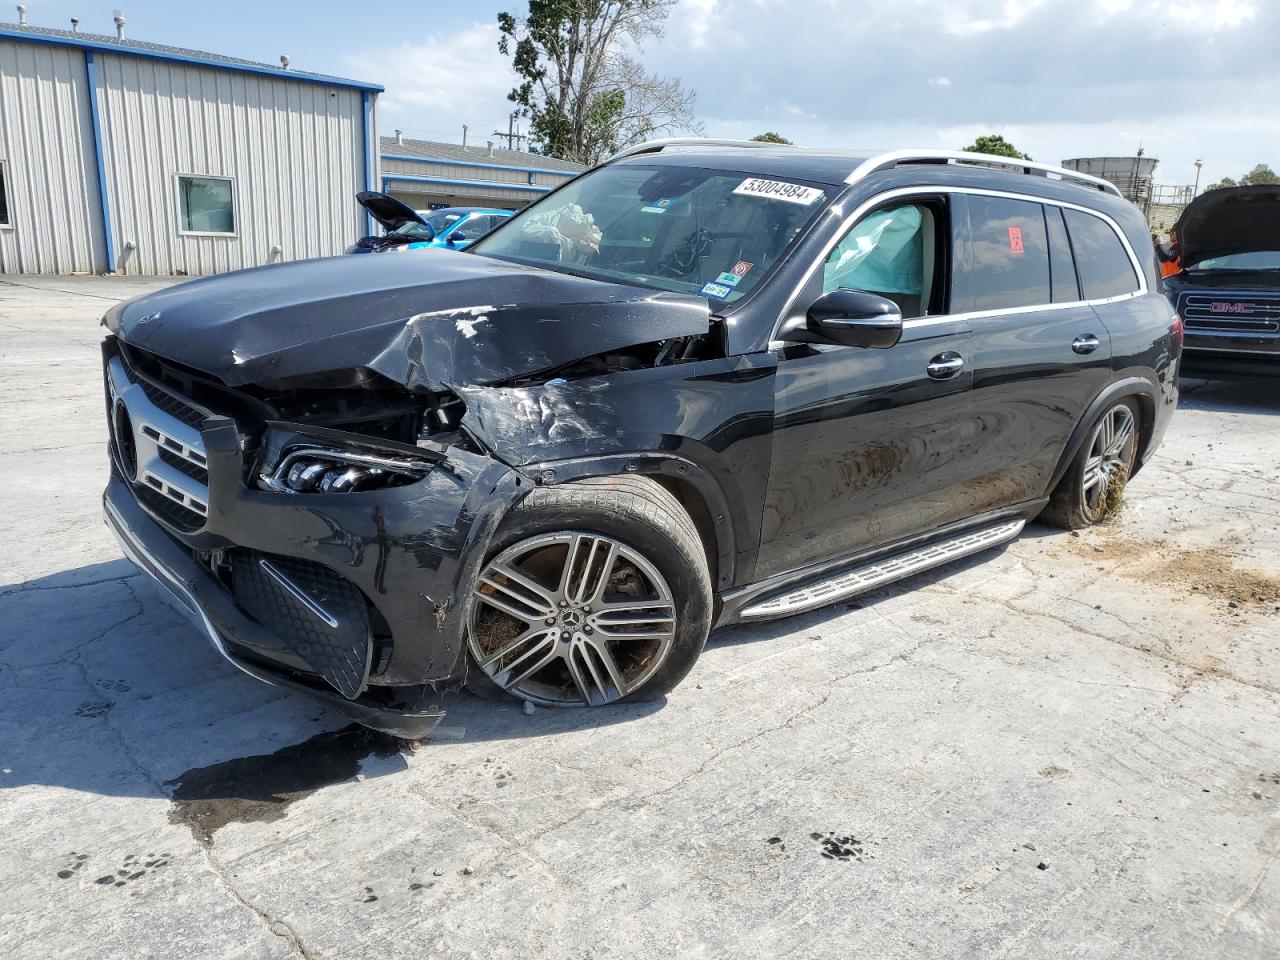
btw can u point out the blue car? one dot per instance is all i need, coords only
(409, 229)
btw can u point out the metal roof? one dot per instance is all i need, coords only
(160, 51)
(478, 156)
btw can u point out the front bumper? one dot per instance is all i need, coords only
(1218, 356)
(196, 594)
(388, 570)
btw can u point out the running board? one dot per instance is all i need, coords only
(846, 582)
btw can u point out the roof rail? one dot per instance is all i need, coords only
(887, 161)
(656, 146)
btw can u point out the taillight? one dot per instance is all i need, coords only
(1176, 328)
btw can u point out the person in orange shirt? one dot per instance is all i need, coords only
(1167, 254)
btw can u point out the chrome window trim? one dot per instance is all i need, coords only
(928, 190)
(891, 159)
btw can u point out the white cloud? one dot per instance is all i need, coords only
(1060, 78)
(965, 18)
(692, 21)
(436, 85)
(1211, 15)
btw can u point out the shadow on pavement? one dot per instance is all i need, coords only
(1243, 395)
(105, 689)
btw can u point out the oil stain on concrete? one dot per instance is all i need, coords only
(260, 789)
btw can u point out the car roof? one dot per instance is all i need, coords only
(461, 211)
(816, 164)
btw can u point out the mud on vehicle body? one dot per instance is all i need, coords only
(701, 384)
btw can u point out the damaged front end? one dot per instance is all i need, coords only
(331, 559)
(308, 488)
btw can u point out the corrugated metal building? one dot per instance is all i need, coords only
(428, 175)
(119, 155)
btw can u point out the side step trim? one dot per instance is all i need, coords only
(846, 582)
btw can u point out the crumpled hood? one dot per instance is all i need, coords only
(1229, 220)
(448, 318)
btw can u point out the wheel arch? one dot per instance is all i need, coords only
(1140, 389)
(694, 488)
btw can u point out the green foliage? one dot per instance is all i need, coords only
(1261, 174)
(771, 137)
(584, 96)
(996, 145)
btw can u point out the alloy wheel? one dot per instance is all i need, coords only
(1110, 459)
(570, 619)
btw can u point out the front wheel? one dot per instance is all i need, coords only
(1091, 488)
(595, 592)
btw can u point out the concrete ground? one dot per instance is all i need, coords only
(1068, 748)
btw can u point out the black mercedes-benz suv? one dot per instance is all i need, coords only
(1226, 251)
(701, 384)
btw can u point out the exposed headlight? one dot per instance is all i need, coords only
(316, 470)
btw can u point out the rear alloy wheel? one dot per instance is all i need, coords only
(1092, 486)
(616, 606)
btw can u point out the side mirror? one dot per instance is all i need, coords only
(457, 237)
(850, 318)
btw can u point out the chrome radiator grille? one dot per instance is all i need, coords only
(1232, 312)
(157, 446)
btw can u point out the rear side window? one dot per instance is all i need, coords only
(1104, 265)
(1062, 269)
(1009, 253)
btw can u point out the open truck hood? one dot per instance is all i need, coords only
(449, 319)
(388, 211)
(1229, 220)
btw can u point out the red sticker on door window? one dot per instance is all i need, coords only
(1015, 239)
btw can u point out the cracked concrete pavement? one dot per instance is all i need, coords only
(1067, 748)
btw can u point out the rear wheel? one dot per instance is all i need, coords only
(1092, 486)
(595, 592)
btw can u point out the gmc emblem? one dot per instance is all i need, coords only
(1219, 306)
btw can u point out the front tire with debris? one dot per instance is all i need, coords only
(595, 592)
(1092, 489)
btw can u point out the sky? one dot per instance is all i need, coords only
(1185, 79)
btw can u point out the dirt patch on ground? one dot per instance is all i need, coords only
(1214, 573)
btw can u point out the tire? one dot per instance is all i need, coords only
(532, 607)
(1091, 489)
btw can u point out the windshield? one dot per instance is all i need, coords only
(413, 230)
(684, 229)
(440, 222)
(1255, 260)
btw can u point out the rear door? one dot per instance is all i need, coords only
(1040, 352)
(868, 444)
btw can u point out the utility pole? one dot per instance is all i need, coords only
(513, 136)
(1195, 191)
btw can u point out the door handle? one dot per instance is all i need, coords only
(1085, 343)
(945, 366)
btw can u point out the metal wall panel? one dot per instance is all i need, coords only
(434, 168)
(47, 145)
(296, 153)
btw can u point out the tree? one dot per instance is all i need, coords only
(584, 93)
(996, 145)
(771, 137)
(1261, 174)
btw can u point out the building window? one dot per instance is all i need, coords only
(206, 205)
(4, 194)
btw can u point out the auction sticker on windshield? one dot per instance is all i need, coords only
(777, 190)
